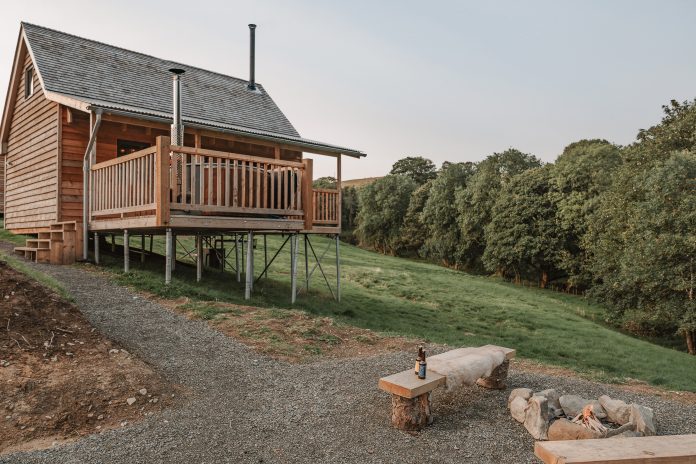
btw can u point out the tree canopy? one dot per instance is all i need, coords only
(419, 169)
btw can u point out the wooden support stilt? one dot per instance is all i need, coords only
(199, 258)
(249, 266)
(173, 252)
(265, 256)
(338, 269)
(152, 239)
(113, 243)
(293, 266)
(126, 251)
(236, 258)
(96, 248)
(306, 264)
(142, 248)
(168, 257)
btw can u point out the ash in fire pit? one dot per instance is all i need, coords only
(549, 416)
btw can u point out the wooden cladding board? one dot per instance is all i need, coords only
(2, 183)
(32, 158)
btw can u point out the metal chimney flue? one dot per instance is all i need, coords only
(252, 57)
(177, 131)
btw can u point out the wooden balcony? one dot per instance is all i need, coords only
(192, 188)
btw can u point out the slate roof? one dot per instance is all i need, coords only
(114, 78)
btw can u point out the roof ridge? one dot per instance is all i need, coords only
(26, 23)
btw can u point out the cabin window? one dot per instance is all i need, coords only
(28, 82)
(126, 147)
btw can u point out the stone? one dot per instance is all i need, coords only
(644, 419)
(629, 427)
(573, 404)
(552, 396)
(555, 412)
(617, 411)
(143, 391)
(524, 393)
(518, 408)
(130, 401)
(536, 419)
(563, 429)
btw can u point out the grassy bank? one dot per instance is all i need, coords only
(422, 300)
(21, 265)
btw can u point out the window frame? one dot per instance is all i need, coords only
(28, 82)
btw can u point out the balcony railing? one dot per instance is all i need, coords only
(165, 180)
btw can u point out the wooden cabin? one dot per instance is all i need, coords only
(238, 165)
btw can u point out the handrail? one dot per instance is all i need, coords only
(235, 156)
(211, 181)
(326, 206)
(125, 184)
(163, 179)
(125, 158)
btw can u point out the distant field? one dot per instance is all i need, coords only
(422, 300)
(358, 182)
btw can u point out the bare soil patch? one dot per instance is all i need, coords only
(60, 378)
(289, 335)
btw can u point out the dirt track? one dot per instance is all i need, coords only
(247, 408)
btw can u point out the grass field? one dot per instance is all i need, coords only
(423, 300)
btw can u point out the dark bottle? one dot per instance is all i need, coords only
(422, 367)
(418, 359)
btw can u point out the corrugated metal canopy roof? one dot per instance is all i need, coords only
(110, 77)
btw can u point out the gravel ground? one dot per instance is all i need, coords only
(245, 408)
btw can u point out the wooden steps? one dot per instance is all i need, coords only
(56, 244)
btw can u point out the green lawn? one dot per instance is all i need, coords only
(427, 301)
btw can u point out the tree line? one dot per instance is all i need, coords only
(613, 222)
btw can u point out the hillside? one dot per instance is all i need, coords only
(423, 300)
(358, 182)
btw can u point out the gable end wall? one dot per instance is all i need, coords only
(32, 159)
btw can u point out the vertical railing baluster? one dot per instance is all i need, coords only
(272, 174)
(227, 182)
(235, 183)
(243, 184)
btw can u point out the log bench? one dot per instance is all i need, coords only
(410, 396)
(672, 449)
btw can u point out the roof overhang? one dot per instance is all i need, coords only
(301, 144)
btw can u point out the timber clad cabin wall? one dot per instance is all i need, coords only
(2, 183)
(32, 157)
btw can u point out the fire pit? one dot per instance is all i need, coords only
(550, 416)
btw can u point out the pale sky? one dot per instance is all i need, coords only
(450, 80)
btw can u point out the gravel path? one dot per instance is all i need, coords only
(247, 408)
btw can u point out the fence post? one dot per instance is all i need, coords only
(307, 202)
(162, 164)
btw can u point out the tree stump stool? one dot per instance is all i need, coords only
(411, 398)
(411, 413)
